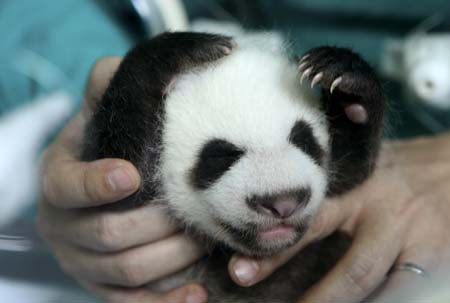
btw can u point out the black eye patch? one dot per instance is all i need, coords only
(215, 158)
(302, 137)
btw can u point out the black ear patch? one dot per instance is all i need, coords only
(216, 157)
(302, 137)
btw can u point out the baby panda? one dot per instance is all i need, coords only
(232, 141)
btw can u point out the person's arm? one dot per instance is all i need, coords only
(401, 214)
(111, 254)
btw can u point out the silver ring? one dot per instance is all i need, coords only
(411, 267)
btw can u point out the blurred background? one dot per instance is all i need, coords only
(48, 48)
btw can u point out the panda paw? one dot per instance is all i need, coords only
(346, 79)
(188, 49)
(200, 48)
(217, 46)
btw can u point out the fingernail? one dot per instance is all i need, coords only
(120, 180)
(195, 297)
(245, 271)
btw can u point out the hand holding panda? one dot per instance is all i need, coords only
(238, 152)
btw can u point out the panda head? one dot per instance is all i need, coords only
(244, 151)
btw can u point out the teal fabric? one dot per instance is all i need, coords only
(65, 36)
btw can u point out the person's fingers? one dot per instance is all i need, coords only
(374, 249)
(415, 151)
(69, 183)
(394, 283)
(400, 278)
(68, 142)
(133, 267)
(246, 271)
(70, 138)
(106, 231)
(191, 293)
(99, 79)
(421, 250)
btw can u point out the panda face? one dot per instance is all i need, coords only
(245, 154)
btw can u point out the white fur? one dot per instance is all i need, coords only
(251, 98)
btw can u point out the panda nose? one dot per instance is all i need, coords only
(282, 208)
(282, 205)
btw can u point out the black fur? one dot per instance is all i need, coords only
(126, 123)
(215, 158)
(354, 147)
(302, 136)
(246, 234)
(286, 285)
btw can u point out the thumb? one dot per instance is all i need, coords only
(246, 271)
(99, 78)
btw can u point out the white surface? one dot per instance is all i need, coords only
(174, 14)
(22, 134)
(422, 63)
(15, 292)
(20, 292)
(427, 68)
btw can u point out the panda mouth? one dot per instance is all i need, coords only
(277, 232)
(264, 239)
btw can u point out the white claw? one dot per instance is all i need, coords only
(304, 58)
(306, 74)
(302, 66)
(335, 84)
(316, 79)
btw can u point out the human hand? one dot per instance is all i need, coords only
(109, 253)
(401, 214)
